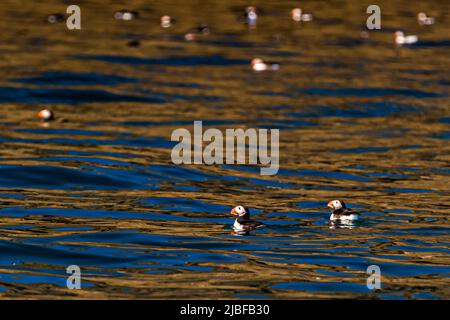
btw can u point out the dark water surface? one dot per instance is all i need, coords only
(364, 121)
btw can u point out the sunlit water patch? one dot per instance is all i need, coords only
(360, 120)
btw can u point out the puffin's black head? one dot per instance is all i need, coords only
(241, 212)
(336, 205)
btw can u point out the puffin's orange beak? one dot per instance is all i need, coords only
(330, 205)
(233, 212)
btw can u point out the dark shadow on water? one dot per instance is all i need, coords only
(323, 286)
(187, 61)
(67, 96)
(66, 78)
(51, 177)
(432, 44)
(147, 142)
(369, 109)
(368, 92)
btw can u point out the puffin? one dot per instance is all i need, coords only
(259, 64)
(46, 115)
(201, 30)
(243, 221)
(424, 20)
(401, 39)
(340, 212)
(126, 15)
(251, 15)
(298, 15)
(166, 21)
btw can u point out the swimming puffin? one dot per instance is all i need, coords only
(298, 15)
(126, 15)
(424, 20)
(401, 39)
(260, 65)
(243, 222)
(251, 15)
(341, 213)
(166, 21)
(201, 30)
(46, 115)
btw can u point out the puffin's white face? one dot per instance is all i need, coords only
(335, 205)
(399, 34)
(421, 15)
(296, 14)
(238, 211)
(256, 61)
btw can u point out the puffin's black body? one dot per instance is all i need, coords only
(247, 223)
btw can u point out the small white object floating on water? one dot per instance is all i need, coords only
(401, 39)
(298, 15)
(46, 115)
(424, 20)
(341, 213)
(259, 65)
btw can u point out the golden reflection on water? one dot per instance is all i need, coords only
(409, 153)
